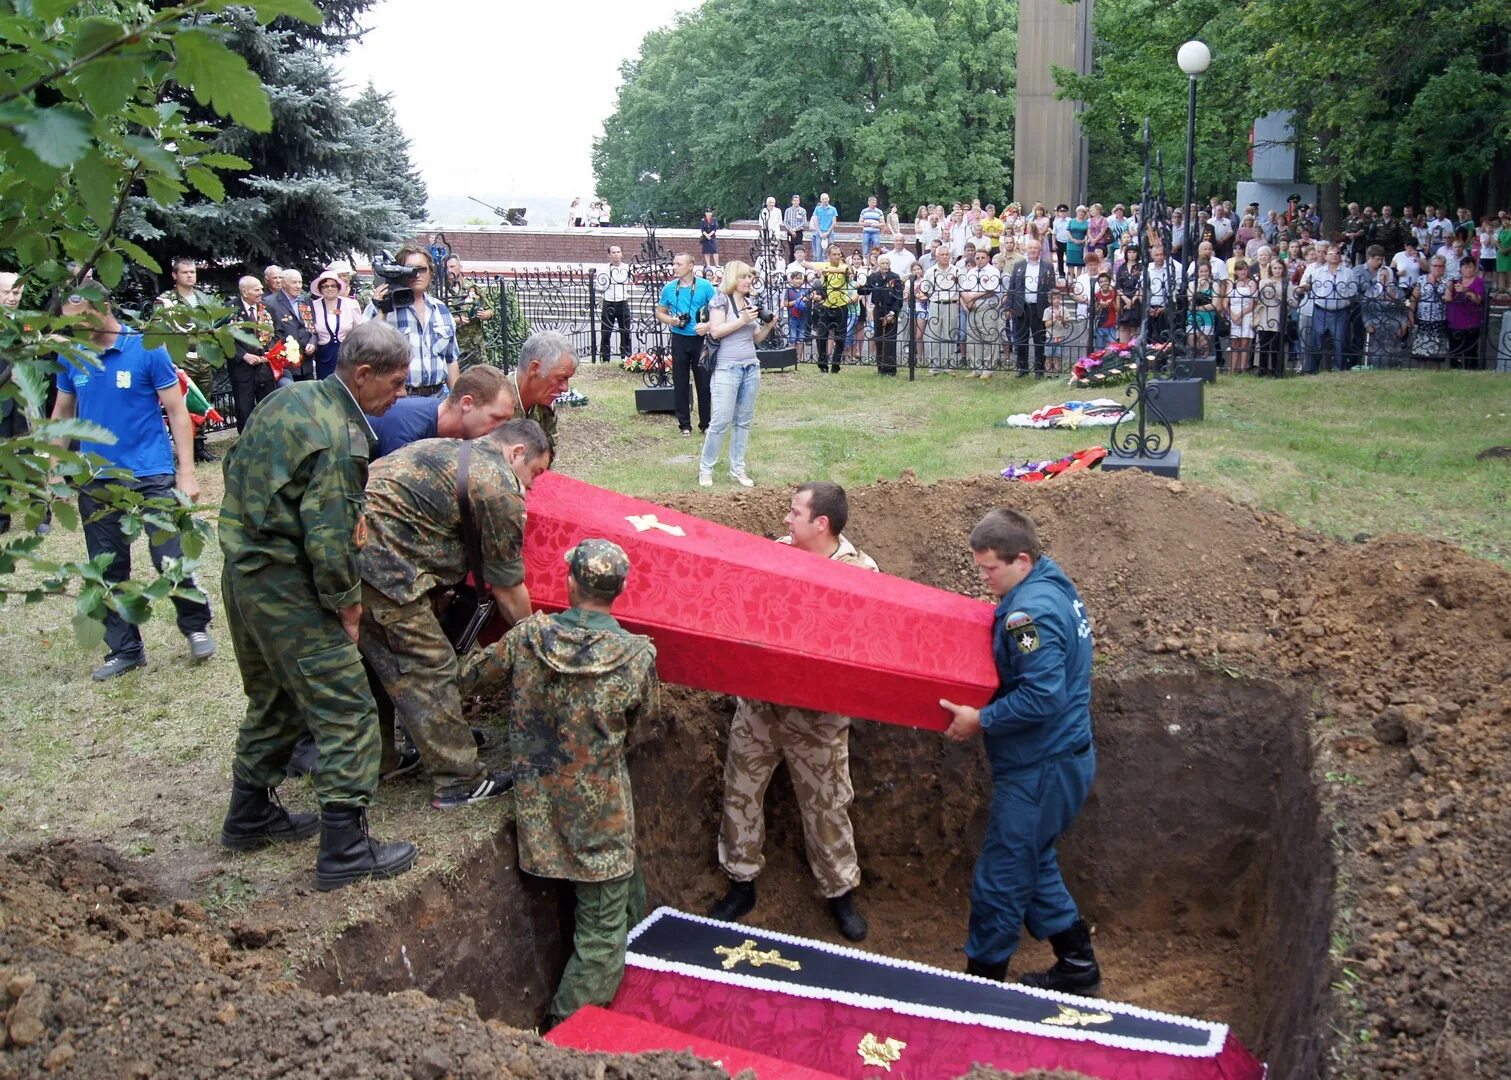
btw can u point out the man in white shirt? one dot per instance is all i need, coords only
(930, 234)
(1331, 289)
(770, 221)
(900, 258)
(1163, 282)
(979, 286)
(614, 286)
(1219, 267)
(1028, 290)
(941, 284)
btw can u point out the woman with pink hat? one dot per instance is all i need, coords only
(335, 315)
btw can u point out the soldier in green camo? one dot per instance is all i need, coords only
(185, 294)
(465, 299)
(290, 528)
(577, 684)
(544, 373)
(414, 550)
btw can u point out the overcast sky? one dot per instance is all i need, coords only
(539, 79)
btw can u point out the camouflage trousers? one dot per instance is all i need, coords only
(605, 912)
(406, 649)
(299, 670)
(199, 369)
(816, 747)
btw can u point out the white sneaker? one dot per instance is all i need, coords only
(705, 479)
(741, 479)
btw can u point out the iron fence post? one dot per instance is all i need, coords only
(593, 317)
(912, 331)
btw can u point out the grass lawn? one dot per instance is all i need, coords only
(1364, 452)
(143, 762)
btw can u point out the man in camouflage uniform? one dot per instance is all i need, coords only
(291, 529)
(577, 683)
(415, 549)
(465, 299)
(185, 294)
(816, 747)
(545, 370)
(1355, 234)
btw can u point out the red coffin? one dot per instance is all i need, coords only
(739, 614)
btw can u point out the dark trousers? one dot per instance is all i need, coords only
(615, 312)
(1161, 326)
(794, 242)
(250, 383)
(1269, 351)
(1464, 348)
(1327, 323)
(884, 331)
(1059, 260)
(103, 536)
(829, 336)
(1017, 878)
(686, 348)
(1030, 325)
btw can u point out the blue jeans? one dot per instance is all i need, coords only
(734, 397)
(819, 239)
(869, 238)
(1105, 336)
(1017, 879)
(1335, 323)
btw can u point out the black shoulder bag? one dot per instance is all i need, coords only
(470, 606)
(710, 356)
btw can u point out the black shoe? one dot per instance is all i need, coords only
(118, 665)
(982, 970)
(852, 924)
(1075, 970)
(348, 853)
(489, 787)
(409, 761)
(257, 819)
(305, 760)
(1022, 373)
(738, 901)
(480, 738)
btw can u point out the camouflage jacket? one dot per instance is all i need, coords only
(414, 524)
(294, 483)
(465, 300)
(541, 413)
(577, 682)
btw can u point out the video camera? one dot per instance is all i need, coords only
(399, 279)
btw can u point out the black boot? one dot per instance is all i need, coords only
(202, 451)
(305, 760)
(738, 901)
(1075, 970)
(851, 923)
(348, 853)
(257, 818)
(983, 970)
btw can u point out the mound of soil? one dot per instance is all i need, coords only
(1272, 707)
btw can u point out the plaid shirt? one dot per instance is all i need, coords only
(432, 345)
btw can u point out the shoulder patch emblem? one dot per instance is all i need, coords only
(1026, 637)
(359, 534)
(1016, 619)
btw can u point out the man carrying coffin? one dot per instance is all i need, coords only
(816, 747)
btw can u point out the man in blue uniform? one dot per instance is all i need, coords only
(1037, 729)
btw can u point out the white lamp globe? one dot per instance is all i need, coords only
(1194, 58)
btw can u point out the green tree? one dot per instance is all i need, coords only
(739, 100)
(93, 116)
(333, 175)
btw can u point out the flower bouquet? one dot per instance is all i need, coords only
(283, 355)
(640, 361)
(1110, 366)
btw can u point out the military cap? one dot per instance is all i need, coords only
(600, 566)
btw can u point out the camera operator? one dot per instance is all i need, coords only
(399, 299)
(614, 285)
(682, 309)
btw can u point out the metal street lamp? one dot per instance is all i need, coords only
(1194, 58)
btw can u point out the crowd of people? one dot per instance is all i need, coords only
(589, 214)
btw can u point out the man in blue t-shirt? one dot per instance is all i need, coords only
(683, 309)
(481, 400)
(824, 217)
(128, 393)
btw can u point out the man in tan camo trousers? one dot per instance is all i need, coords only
(816, 747)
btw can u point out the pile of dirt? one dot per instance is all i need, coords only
(99, 977)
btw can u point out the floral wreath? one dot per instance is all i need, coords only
(640, 361)
(1033, 472)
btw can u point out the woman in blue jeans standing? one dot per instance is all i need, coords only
(734, 321)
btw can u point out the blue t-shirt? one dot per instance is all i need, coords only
(679, 299)
(825, 216)
(121, 394)
(871, 218)
(407, 420)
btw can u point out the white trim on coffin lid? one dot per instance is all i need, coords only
(1217, 1033)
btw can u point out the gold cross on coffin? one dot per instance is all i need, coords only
(1071, 1017)
(748, 951)
(882, 1052)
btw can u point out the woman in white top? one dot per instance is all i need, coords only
(1268, 327)
(574, 214)
(734, 322)
(894, 224)
(1240, 303)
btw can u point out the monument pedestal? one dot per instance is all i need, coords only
(1167, 466)
(655, 399)
(1196, 367)
(1178, 399)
